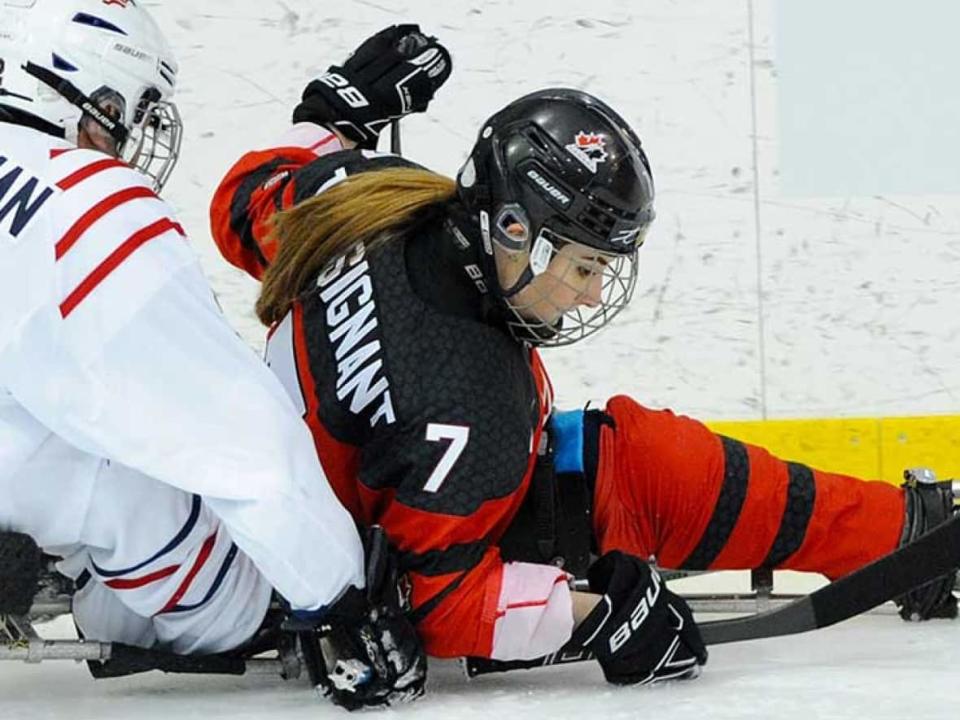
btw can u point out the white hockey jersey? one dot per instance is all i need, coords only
(113, 351)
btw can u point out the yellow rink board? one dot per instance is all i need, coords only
(870, 448)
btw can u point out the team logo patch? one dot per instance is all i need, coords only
(589, 148)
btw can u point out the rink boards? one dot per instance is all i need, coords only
(878, 448)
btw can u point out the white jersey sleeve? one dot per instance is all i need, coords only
(315, 138)
(534, 612)
(130, 359)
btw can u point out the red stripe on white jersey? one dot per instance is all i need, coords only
(98, 211)
(113, 261)
(529, 603)
(133, 583)
(520, 606)
(57, 152)
(321, 143)
(198, 564)
(90, 170)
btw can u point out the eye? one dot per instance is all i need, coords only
(584, 272)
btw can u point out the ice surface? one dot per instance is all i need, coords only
(875, 667)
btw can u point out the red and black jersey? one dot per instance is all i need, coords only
(266, 182)
(425, 417)
(426, 414)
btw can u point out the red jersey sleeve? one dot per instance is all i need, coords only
(258, 185)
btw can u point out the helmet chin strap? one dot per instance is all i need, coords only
(525, 278)
(539, 254)
(22, 117)
(74, 96)
(7, 93)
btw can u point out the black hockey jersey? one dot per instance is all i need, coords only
(424, 415)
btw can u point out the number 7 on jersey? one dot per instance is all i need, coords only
(458, 436)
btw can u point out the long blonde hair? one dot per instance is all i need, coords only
(370, 207)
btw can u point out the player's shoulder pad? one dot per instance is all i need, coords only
(327, 170)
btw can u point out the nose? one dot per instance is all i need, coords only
(592, 295)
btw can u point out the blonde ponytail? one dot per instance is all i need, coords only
(370, 207)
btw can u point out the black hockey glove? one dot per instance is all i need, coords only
(392, 74)
(20, 563)
(363, 652)
(640, 632)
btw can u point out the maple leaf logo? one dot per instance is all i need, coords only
(589, 148)
(589, 141)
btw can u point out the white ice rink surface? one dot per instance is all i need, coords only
(872, 668)
(751, 302)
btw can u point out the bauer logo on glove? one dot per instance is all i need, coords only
(640, 613)
(641, 633)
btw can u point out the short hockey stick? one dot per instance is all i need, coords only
(926, 558)
(395, 136)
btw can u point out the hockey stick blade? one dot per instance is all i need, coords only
(926, 558)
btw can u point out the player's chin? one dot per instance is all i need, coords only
(549, 320)
(537, 330)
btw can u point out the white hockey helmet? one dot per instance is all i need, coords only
(102, 62)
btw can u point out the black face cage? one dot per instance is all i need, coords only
(538, 321)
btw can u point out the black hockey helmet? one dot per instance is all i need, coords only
(568, 168)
